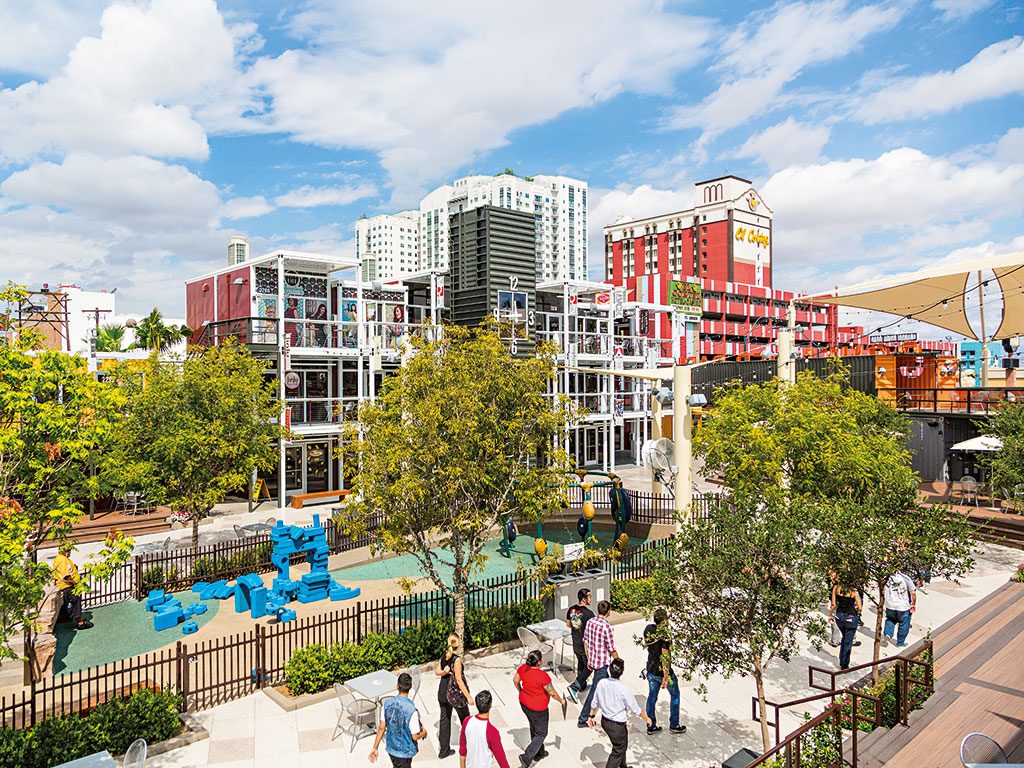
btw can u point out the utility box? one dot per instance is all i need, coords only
(599, 583)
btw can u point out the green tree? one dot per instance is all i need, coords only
(55, 422)
(110, 338)
(1007, 464)
(153, 334)
(747, 585)
(193, 431)
(460, 438)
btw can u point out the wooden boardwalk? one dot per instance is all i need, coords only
(979, 686)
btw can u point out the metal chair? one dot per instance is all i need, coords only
(241, 533)
(271, 521)
(531, 642)
(417, 680)
(135, 757)
(358, 710)
(566, 643)
(977, 748)
(968, 488)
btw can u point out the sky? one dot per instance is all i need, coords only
(137, 137)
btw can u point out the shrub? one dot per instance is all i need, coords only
(316, 667)
(1018, 575)
(157, 577)
(638, 594)
(111, 726)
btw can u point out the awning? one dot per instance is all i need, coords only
(979, 444)
(936, 296)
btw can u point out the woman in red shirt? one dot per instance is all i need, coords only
(535, 691)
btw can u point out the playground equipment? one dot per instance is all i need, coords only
(251, 594)
(621, 509)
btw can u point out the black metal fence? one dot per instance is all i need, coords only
(210, 672)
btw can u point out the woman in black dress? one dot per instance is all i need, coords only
(451, 664)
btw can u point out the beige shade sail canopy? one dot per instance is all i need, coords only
(936, 296)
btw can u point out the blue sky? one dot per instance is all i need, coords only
(136, 137)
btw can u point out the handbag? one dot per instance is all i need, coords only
(454, 695)
(837, 633)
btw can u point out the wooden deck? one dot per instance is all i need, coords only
(150, 520)
(979, 686)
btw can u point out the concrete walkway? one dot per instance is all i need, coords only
(254, 732)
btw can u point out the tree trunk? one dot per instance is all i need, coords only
(195, 530)
(762, 706)
(459, 598)
(879, 621)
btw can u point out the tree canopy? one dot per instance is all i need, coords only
(152, 333)
(461, 438)
(1007, 464)
(193, 431)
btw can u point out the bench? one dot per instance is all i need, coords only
(301, 498)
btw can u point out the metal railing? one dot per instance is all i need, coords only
(954, 400)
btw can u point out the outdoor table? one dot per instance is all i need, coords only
(257, 527)
(552, 629)
(374, 686)
(99, 760)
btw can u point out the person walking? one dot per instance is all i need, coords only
(66, 578)
(452, 694)
(844, 609)
(576, 619)
(615, 701)
(660, 674)
(599, 644)
(900, 601)
(401, 727)
(535, 692)
(480, 740)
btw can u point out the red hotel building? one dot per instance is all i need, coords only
(726, 241)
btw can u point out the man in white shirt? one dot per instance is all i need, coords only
(480, 740)
(900, 601)
(615, 701)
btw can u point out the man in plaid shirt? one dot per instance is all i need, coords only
(599, 643)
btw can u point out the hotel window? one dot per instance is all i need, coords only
(650, 253)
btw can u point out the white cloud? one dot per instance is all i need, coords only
(311, 197)
(897, 212)
(996, 71)
(762, 55)
(430, 86)
(1010, 148)
(609, 205)
(785, 144)
(245, 208)
(35, 37)
(131, 90)
(134, 192)
(957, 10)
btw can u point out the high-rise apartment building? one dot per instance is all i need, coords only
(388, 245)
(558, 205)
(238, 250)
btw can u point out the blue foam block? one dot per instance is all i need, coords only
(224, 592)
(286, 616)
(189, 627)
(199, 586)
(167, 619)
(197, 609)
(344, 593)
(155, 596)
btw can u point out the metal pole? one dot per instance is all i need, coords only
(682, 383)
(984, 338)
(282, 448)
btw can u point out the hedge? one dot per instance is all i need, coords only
(639, 594)
(111, 726)
(316, 667)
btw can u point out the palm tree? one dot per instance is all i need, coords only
(153, 334)
(110, 338)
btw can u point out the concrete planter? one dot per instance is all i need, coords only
(193, 732)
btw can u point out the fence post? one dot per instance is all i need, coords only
(261, 656)
(32, 699)
(137, 561)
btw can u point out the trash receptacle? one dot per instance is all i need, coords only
(564, 593)
(600, 583)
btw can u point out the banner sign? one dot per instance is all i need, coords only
(686, 297)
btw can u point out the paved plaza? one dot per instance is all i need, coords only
(254, 732)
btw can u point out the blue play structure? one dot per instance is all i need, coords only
(251, 594)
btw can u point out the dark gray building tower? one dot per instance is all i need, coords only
(493, 263)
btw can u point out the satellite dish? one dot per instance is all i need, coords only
(659, 455)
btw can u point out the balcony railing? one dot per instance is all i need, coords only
(306, 333)
(952, 400)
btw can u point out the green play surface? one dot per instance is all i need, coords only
(497, 565)
(120, 631)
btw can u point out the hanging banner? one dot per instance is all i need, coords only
(574, 300)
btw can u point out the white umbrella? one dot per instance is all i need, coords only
(979, 444)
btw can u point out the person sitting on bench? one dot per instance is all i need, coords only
(66, 577)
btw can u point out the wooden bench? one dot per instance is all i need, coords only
(301, 498)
